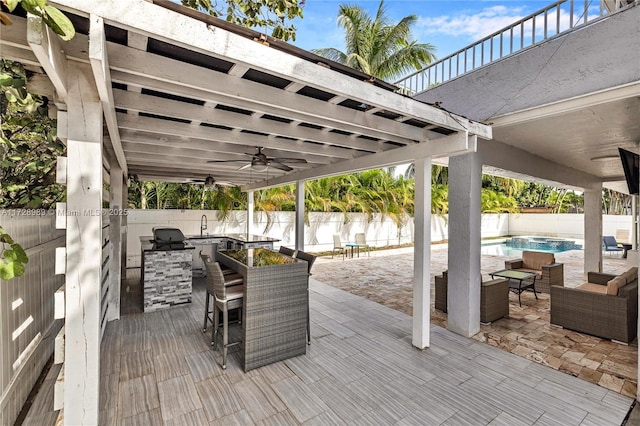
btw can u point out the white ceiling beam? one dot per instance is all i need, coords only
(46, 45)
(238, 70)
(170, 26)
(198, 154)
(170, 108)
(454, 144)
(102, 75)
(149, 141)
(169, 171)
(18, 54)
(218, 141)
(294, 87)
(164, 127)
(250, 95)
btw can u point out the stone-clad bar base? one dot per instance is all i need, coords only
(166, 278)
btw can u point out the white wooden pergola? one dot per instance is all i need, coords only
(156, 91)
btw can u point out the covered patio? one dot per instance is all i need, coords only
(175, 90)
(360, 369)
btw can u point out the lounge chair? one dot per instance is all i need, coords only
(609, 244)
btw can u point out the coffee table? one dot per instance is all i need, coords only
(518, 281)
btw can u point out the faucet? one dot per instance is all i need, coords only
(203, 223)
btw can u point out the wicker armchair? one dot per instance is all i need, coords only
(549, 272)
(494, 298)
(589, 309)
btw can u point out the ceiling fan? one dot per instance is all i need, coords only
(260, 162)
(210, 182)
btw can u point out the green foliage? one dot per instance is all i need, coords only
(28, 145)
(273, 14)
(12, 257)
(376, 46)
(52, 17)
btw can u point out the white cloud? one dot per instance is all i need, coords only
(474, 25)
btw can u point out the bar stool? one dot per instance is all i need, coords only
(231, 278)
(225, 298)
(309, 258)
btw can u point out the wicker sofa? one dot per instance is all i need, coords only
(549, 272)
(605, 306)
(494, 298)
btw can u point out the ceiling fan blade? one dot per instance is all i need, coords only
(225, 183)
(289, 160)
(226, 161)
(280, 166)
(245, 167)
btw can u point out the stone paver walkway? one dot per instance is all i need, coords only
(386, 278)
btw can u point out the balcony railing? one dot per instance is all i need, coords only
(552, 21)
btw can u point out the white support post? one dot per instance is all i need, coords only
(84, 241)
(463, 287)
(634, 222)
(422, 255)
(300, 215)
(115, 225)
(593, 229)
(250, 207)
(123, 229)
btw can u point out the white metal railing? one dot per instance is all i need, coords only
(558, 18)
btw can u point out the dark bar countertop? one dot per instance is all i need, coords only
(243, 238)
(257, 257)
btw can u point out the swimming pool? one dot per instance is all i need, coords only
(515, 246)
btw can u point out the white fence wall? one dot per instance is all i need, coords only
(563, 225)
(27, 325)
(380, 230)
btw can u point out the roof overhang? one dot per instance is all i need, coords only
(180, 88)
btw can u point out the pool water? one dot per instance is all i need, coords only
(515, 246)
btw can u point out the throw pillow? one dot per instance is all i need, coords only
(614, 284)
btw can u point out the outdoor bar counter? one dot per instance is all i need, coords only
(276, 301)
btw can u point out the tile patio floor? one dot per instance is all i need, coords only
(158, 369)
(386, 278)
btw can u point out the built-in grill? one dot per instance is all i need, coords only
(168, 237)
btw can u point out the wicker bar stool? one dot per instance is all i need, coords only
(231, 278)
(225, 297)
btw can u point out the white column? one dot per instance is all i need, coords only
(123, 229)
(465, 185)
(593, 229)
(249, 212)
(115, 227)
(422, 254)
(300, 215)
(84, 245)
(634, 222)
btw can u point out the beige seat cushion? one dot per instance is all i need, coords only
(595, 288)
(535, 259)
(614, 284)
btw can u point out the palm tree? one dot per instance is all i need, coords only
(377, 47)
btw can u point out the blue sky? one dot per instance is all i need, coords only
(449, 25)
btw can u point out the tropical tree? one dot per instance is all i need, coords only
(28, 144)
(273, 14)
(376, 46)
